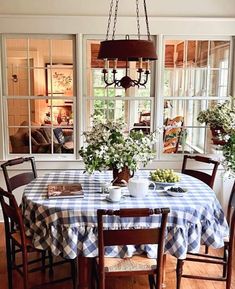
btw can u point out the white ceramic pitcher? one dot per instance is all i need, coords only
(138, 187)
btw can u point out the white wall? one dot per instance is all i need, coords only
(189, 8)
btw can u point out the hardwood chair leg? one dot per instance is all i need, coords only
(225, 258)
(9, 263)
(25, 269)
(179, 271)
(164, 271)
(229, 269)
(43, 258)
(50, 258)
(152, 284)
(74, 272)
(206, 249)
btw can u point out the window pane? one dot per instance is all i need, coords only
(17, 47)
(19, 140)
(39, 52)
(59, 79)
(219, 54)
(18, 112)
(218, 82)
(38, 81)
(17, 77)
(58, 48)
(202, 53)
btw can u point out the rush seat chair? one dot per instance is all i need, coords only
(136, 265)
(12, 213)
(226, 261)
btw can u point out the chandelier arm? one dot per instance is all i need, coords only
(105, 72)
(115, 19)
(140, 75)
(109, 19)
(114, 75)
(146, 79)
(146, 19)
(138, 18)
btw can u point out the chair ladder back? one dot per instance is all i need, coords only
(231, 204)
(126, 237)
(22, 178)
(206, 178)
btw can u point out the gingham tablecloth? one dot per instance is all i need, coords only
(69, 226)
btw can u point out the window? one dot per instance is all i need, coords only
(39, 94)
(196, 76)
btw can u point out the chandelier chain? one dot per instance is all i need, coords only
(138, 18)
(146, 18)
(115, 19)
(109, 19)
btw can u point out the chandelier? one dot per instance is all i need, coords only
(142, 51)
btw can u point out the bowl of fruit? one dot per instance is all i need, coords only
(164, 177)
(176, 191)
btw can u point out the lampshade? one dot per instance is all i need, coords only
(127, 49)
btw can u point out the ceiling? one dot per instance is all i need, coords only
(173, 8)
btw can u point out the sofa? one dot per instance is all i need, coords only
(41, 139)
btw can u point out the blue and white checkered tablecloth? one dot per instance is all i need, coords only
(69, 226)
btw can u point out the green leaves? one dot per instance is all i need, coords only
(229, 153)
(109, 146)
(221, 115)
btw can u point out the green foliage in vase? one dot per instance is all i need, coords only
(229, 153)
(220, 115)
(109, 146)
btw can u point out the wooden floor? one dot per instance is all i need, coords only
(119, 283)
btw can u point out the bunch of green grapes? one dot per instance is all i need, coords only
(164, 176)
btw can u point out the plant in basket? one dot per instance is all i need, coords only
(110, 147)
(221, 119)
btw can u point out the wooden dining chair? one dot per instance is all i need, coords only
(17, 180)
(172, 134)
(138, 264)
(225, 261)
(12, 213)
(206, 178)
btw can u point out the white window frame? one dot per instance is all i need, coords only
(161, 155)
(38, 156)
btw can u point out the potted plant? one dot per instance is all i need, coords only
(220, 118)
(109, 147)
(229, 153)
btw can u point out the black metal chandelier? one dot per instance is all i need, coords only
(127, 50)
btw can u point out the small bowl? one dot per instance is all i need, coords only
(160, 185)
(175, 194)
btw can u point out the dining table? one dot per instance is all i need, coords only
(68, 226)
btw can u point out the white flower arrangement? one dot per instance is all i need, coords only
(108, 147)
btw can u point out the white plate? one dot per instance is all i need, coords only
(111, 201)
(175, 194)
